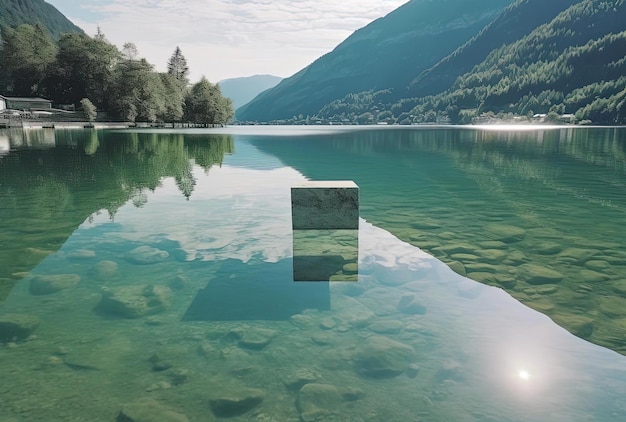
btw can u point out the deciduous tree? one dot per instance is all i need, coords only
(205, 104)
(27, 52)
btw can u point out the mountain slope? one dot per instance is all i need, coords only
(386, 54)
(16, 12)
(242, 90)
(574, 64)
(515, 22)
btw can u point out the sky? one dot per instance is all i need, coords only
(223, 39)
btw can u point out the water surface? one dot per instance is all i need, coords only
(153, 272)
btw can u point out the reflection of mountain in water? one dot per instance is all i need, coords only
(52, 181)
(538, 213)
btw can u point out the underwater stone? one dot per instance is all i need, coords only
(105, 270)
(454, 248)
(178, 283)
(492, 256)
(598, 265)
(134, 301)
(146, 255)
(17, 326)
(386, 327)
(548, 248)
(457, 267)
(304, 376)
(413, 370)
(48, 284)
(577, 255)
(479, 267)
(505, 233)
(158, 363)
(382, 357)
(515, 258)
(612, 306)
(256, 340)
(236, 403)
(502, 279)
(323, 339)
(593, 276)
(317, 402)
(536, 274)
(149, 410)
(328, 324)
(576, 324)
(325, 205)
(178, 376)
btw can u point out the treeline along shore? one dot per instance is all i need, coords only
(91, 75)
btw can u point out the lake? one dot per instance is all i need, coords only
(155, 275)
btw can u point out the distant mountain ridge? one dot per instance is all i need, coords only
(16, 12)
(242, 90)
(558, 57)
(386, 54)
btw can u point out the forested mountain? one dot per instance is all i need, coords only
(386, 54)
(557, 57)
(576, 63)
(242, 90)
(16, 12)
(515, 22)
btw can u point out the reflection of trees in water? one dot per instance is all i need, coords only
(121, 164)
(51, 181)
(489, 155)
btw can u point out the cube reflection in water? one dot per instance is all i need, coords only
(325, 222)
(325, 255)
(261, 291)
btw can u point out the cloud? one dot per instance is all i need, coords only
(228, 38)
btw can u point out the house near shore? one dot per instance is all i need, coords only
(24, 103)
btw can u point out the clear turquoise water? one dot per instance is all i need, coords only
(211, 325)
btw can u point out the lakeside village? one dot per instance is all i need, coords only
(35, 112)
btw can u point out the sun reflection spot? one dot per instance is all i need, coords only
(524, 375)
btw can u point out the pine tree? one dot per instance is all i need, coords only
(177, 66)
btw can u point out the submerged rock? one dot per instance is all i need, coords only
(577, 255)
(505, 233)
(382, 357)
(592, 276)
(536, 274)
(576, 324)
(386, 327)
(48, 284)
(17, 326)
(134, 301)
(235, 403)
(297, 380)
(457, 267)
(105, 270)
(317, 402)
(257, 339)
(146, 255)
(148, 410)
(548, 248)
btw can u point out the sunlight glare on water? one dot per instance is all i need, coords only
(152, 273)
